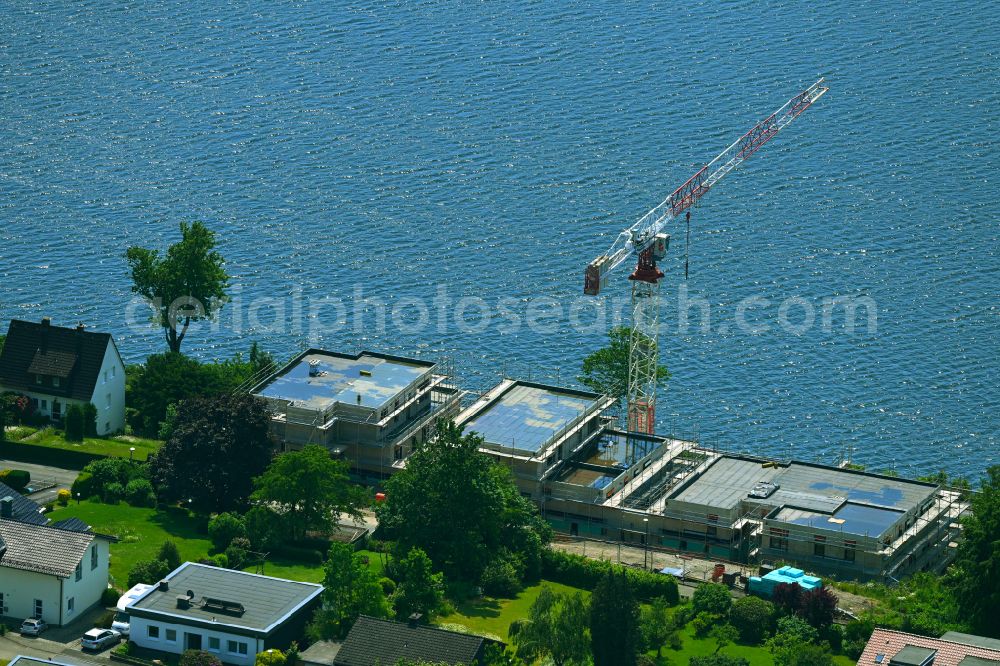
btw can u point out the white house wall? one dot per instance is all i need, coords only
(109, 393)
(86, 592)
(139, 634)
(21, 588)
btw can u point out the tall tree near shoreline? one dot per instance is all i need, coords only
(606, 370)
(975, 575)
(187, 284)
(614, 622)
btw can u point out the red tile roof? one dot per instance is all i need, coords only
(949, 653)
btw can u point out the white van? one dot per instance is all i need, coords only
(120, 623)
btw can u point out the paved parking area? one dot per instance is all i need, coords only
(63, 478)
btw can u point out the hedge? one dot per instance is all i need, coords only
(580, 571)
(299, 554)
(47, 455)
(18, 479)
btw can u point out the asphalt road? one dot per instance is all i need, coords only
(63, 478)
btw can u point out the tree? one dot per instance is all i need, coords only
(787, 598)
(461, 508)
(168, 553)
(164, 380)
(658, 626)
(752, 617)
(147, 571)
(792, 636)
(556, 627)
(817, 607)
(188, 284)
(199, 658)
(263, 527)
(89, 412)
(606, 370)
(724, 634)
(805, 655)
(711, 598)
(308, 488)
(74, 423)
(420, 590)
(225, 527)
(351, 589)
(218, 446)
(976, 572)
(614, 622)
(270, 657)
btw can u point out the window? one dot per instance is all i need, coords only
(153, 632)
(711, 530)
(93, 557)
(849, 550)
(45, 405)
(55, 382)
(38, 379)
(172, 635)
(213, 644)
(819, 545)
(107, 399)
(3, 603)
(235, 647)
(112, 372)
(105, 377)
(38, 607)
(70, 604)
(779, 538)
(79, 570)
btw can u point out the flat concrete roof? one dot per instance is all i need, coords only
(266, 601)
(526, 416)
(373, 378)
(850, 518)
(809, 487)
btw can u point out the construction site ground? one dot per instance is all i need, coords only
(696, 570)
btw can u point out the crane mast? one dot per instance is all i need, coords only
(648, 241)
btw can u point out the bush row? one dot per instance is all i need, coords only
(579, 571)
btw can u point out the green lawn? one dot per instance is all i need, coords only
(141, 532)
(494, 616)
(280, 567)
(115, 446)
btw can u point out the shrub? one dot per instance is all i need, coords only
(787, 597)
(220, 561)
(241, 542)
(114, 492)
(63, 496)
(225, 527)
(89, 414)
(199, 658)
(752, 617)
(388, 585)
(580, 571)
(501, 578)
(704, 622)
(85, 486)
(169, 554)
(74, 424)
(18, 479)
(304, 555)
(139, 492)
(817, 607)
(712, 598)
(237, 557)
(147, 571)
(105, 619)
(110, 596)
(270, 658)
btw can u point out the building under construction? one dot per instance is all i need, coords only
(591, 479)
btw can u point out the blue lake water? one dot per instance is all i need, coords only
(412, 151)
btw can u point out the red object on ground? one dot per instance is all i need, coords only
(379, 497)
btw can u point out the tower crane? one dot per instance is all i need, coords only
(648, 241)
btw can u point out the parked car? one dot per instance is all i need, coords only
(98, 639)
(33, 626)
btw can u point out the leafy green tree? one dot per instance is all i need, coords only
(270, 657)
(711, 598)
(164, 380)
(724, 634)
(168, 553)
(148, 571)
(420, 589)
(975, 573)
(351, 589)
(606, 370)
(89, 419)
(658, 626)
(460, 507)
(187, 284)
(225, 527)
(263, 527)
(74, 423)
(309, 489)
(753, 618)
(792, 636)
(556, 627)
(805, 655)
(218, 446)
(614, 622)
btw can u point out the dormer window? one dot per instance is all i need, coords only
(55, 382)
(38, 379)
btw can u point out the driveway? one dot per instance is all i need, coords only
(57, 642)
(63, 478)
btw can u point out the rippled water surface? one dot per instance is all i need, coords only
(492, 149)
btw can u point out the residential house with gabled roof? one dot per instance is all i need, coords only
(887, 647)
(49, 572)
(374, 642)
(55, 367)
